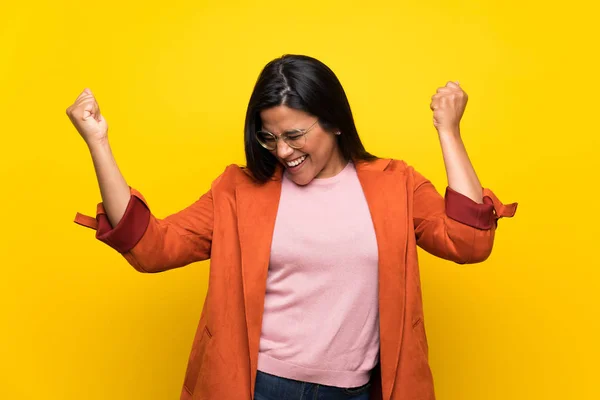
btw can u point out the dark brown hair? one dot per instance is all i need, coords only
(305, 84)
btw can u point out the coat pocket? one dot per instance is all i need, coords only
(419, 331)
(196, 357)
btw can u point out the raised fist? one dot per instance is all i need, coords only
(85, 115)
(448, 106)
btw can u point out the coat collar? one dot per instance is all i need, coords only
(257, 210)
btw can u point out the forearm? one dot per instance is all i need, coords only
(459, 170)
(113, 187)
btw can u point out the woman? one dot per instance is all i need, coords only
(314, 286)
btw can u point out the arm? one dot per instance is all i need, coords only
(461, 226)
(448, 105)
(455, 227)
(113, 187)
(123, 219)
(86, 117)
(124, 222)
(152, 244)
(175, 241)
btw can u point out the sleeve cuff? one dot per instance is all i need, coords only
(481, 216)
(130, 228)
(128, 231)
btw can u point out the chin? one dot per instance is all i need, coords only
(300, 180)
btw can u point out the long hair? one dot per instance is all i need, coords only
(306, 84)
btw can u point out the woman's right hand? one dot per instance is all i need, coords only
(85, 115)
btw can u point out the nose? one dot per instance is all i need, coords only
(283, 149)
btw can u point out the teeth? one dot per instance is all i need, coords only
(296, 162)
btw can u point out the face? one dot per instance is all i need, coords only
(320, 156)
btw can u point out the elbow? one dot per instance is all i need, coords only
(480, 255)
(473, 251)
(479, 251)
(145, 266)
(469, 258)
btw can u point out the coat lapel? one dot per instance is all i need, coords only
(386, 197)
(257, 210)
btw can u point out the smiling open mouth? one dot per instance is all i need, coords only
(297, 162)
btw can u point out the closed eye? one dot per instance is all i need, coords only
(294, 135)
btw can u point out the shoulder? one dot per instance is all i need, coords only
(398, 170)
(398, 166)
(232, 176)
(388, 165)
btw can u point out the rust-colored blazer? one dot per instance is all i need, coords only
(232, 224)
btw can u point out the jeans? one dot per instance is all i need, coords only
(271, 387)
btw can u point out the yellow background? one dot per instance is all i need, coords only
(173, 83)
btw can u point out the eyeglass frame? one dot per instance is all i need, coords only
(284, 135)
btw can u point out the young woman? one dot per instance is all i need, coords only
(314, 289)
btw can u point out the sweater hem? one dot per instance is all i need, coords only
(342, 379)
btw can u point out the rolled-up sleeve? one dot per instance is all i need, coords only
(481, 216)
(454, 227)
(128, 231)
(152, 244)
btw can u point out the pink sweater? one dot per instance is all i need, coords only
(320, 321)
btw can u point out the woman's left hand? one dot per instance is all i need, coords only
(448, 106)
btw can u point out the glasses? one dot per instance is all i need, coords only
(296, 138)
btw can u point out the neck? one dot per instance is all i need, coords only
(336, 164)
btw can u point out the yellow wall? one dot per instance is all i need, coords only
(173, 83)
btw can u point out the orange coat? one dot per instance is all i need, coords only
(232, 224)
